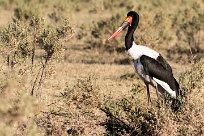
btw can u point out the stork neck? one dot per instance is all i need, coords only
(129, 36)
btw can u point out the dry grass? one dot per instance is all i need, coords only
(85, 85)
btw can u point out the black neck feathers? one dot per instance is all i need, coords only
(131, 29)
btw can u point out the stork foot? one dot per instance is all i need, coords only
(148, 96)
(158, 104)
(149, 103)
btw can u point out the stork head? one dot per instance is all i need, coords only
(131, 20)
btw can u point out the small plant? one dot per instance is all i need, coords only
(127, 116)
(124, 118)
(73, 110)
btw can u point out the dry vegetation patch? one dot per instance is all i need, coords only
(74, 111)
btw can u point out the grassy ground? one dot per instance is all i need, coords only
(60, 76)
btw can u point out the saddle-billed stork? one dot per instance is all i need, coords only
(149, 64)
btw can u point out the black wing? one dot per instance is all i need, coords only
(163, 62)
(159, 69)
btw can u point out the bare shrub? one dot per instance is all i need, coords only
(28, 33)
(73, 111)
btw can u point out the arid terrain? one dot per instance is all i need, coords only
(59, 75)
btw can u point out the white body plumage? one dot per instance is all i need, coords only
(136, 51)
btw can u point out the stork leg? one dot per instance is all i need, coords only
(158, 101)
(157, 90)
(156, 86)
(148, 95)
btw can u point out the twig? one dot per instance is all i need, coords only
(34, 84)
